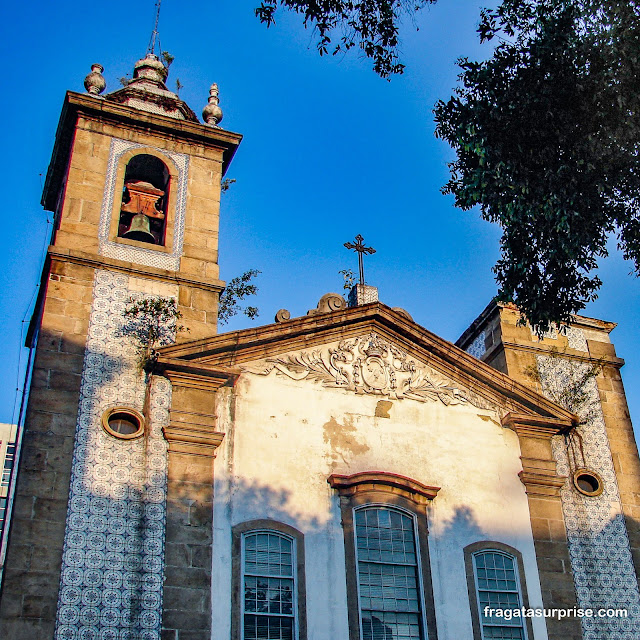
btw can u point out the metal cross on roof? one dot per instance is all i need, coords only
(155, 37)
(361, 249)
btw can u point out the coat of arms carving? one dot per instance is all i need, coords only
(372, 365)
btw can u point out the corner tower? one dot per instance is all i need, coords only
(586, 529)
(134, 184)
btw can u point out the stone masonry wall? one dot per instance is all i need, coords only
(32, 575)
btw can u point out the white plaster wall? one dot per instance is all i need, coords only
(285, 437)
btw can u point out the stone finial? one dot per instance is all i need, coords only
(95, 83)
(212, 113)
(150, 68)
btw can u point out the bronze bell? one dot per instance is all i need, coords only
(139, 229)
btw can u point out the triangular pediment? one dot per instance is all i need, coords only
(369, 349)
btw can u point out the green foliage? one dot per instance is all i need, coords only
(372, 25)
(168, 58)
(349, 278)
(571, 385)
(547, 137)
(151, 323)
(238, 289)
(179, 85)
(226, 183)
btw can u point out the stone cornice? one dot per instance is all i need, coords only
(57, 254)
(192, 431)
(381, 481)
(196, 375)
(95, 261)
(101, 109)
(568, 354)
(577, 321)
(539, 474)
(538, 426)
(239, 347)
(541, 484)
(192, 439)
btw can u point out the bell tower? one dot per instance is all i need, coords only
(134, 184)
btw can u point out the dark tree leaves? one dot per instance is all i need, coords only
(547, 137)
(371, 25)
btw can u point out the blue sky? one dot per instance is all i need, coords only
(330, 150)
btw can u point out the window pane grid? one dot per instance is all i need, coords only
(268, 611)
(503, 633)
(268, 595)
(268, 555)
(390, 626)
(388, 587)
(267, 628)
(497, 586)
(387, 575)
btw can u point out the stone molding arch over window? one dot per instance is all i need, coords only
(397, 507)
(497, 583)
(262, 537)
(164, 241)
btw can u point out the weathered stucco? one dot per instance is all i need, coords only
(284, 437)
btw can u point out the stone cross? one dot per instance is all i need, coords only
(361, 249)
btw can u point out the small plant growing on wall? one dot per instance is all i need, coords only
(238, 289)
(570, 385)
(152, 323)
(349, 278)
(226, 183)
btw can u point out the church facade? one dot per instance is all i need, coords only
(343, 475)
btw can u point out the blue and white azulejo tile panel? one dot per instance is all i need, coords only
(599, 548)
(149, 257)
(113, 556)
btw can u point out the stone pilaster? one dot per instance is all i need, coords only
(543, 484)
(624, 450)
(193, 440)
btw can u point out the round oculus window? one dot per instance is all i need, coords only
(123, 422)
(588, 482)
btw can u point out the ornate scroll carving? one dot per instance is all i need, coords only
(403, 312)
(282, 315)
(369, 364)
(328, 303)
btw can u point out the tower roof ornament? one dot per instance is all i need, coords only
(150, 68)
(361, 293)
(155, 36)
(212, 113)
(95, 83)
(360, 249)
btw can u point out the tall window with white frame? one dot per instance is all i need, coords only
(268, 586)
(389, 587)
(498, 587)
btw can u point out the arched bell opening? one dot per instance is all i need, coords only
(145, 194)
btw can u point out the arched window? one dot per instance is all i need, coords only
(389, 589)
(496, 591)
(145, 194)
(269, 574)
(384, 520)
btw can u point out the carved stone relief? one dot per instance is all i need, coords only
(371, 365)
